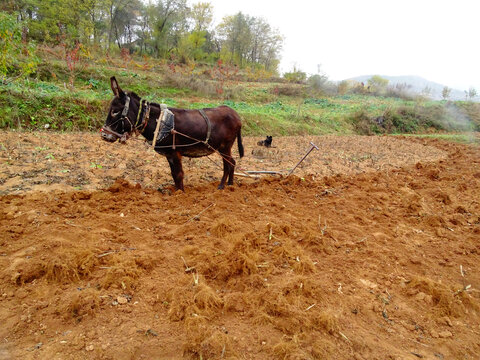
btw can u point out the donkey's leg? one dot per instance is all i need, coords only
(175, 162)
(228, 168)
(232, 170)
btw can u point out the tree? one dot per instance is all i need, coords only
(16, 58)
(202, 16)
(426, 92)
(377, 83)
(123, 15)
(245, 39)
(446, 93)
(169, 23)
(163, 28)
(266, 44)
(472, 93)
(295, 76)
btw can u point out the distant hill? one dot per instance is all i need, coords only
(418, 84)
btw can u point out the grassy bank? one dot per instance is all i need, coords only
(46, 101)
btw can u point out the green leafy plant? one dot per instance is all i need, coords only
(17, 57)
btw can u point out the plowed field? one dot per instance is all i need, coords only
(371, 250)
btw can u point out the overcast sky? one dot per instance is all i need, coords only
(438, 40)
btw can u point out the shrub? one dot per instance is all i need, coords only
(362, 123)
(294, 90)
(296, 76)
(17, 58)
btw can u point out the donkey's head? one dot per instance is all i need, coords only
(121, 116)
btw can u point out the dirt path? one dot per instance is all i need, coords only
(379, 261)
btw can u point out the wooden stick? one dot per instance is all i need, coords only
(313, 146)
(264, 172)
(200, 213)
(247, 175)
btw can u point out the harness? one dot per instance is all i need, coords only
(165, 125)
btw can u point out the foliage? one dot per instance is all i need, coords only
(471, 94)
(295, 76)
(377, 84)
(446, 91)
(411, 119)
(17, 58)
(159, 29)
(250, 40)
(281, 108)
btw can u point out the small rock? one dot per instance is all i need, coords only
(445, 334)
(434, 334)
(151, 332)
(420, 296)
(447, 321)
(36, 347)
(89, 348)
(368, 283)
(122, 300)
(409, 327)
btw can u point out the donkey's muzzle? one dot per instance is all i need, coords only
(107, 136)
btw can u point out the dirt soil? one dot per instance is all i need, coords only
(371, 250)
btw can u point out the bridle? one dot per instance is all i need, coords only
(134, 128)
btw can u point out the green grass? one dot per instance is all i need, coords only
(45, 99)
(464, 138)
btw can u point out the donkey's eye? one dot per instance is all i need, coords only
(114, 113)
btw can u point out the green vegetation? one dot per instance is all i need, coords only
(460, 138)
(46, 99)
(56, 58)
(163, 29)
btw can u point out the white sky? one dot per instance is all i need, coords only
(437, 40)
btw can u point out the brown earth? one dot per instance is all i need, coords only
(370, 251)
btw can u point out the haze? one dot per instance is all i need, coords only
(437, 40)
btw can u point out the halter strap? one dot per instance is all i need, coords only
(209, 124)
(127, 106)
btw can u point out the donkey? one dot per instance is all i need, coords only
(191, 133)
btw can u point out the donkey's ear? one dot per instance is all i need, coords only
(115, 87)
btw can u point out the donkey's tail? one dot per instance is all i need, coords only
(239, 142)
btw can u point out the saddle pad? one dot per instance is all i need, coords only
(166, 125)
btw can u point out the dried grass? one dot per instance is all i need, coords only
(193, 301)
(238, 259)
(444, 300)
(205, 343)
(123, 269)
(221, 227)
(288, 350)
(62, 265)
(85, 302)
(305, 346)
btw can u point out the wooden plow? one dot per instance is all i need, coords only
(255, 173)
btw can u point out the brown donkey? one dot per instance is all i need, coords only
(177, 133)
